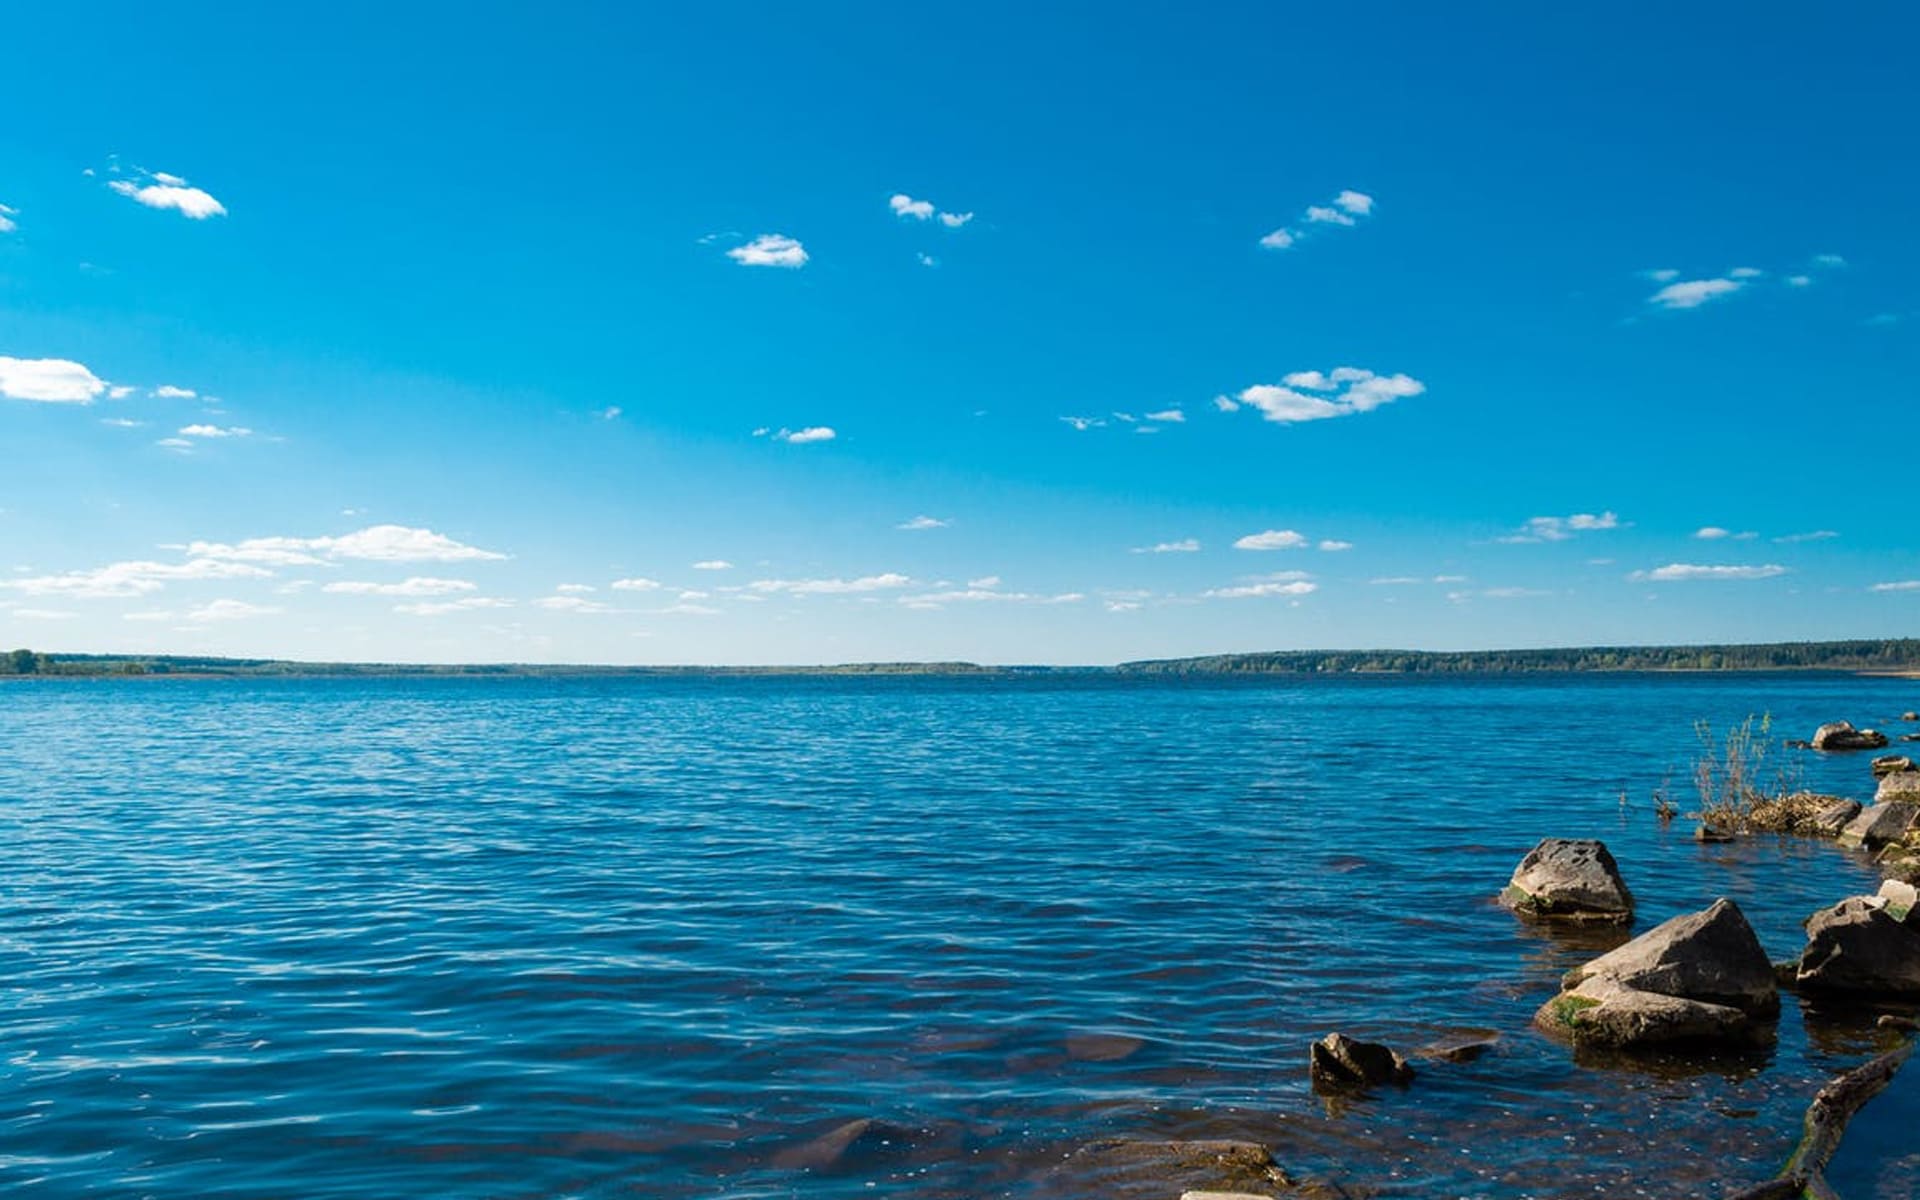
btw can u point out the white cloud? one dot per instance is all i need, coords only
(1321, 215)
(925, 259)
(1280, 239)
(1170, 416)
(7, 222)
(575, 589)
(123, 422)
(1295, 587)
(989, 595)
(419, 585)
(801, 437)
(924, 522)
(610, 413)
(1358, 203)
(1354, 390)
(1692, 293)
(832, 587)
(1226, 404)
(1662, 274)
(1817, 535)
(230, 610)
(955, 220)
(904, 205)
(215, 431)
(1560, 529)
(985, 581)
(1829, 261)
(635, 585)
(435, 608)
(572, 604)
(49, 380)
(1900, 585)
(1708, 533)
(1799, 281)
(1334, 544)
(120, 391)
(1675, 572)
(170, 192)
(1345, 210)
(1272, 539)
(1745, 273)
(124, 579)
(1183, 546)
(770, 250)
(713, 564)
(377, 543)
(167, 391)
(1085, 423)
(176, 443)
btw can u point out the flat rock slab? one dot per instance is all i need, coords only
(1569, 879)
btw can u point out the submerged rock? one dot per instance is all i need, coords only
(1339, 1063)
(1841, 735)
(1233, 1167)
(1858, 947)
(1892, 764)
(1701, 977)
(1459, 1045)
(1569, 879)
(1876, 826)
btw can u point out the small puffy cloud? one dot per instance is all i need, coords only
(419, 585)
(1322, 215)
(377, 543)
(230, 610)
(167, 391)
(770, 250)
(906, 206)
(1560, 529)
(572, 604)
(48, 380)
(1345, 391)
(215, 431)
(1272, 539)
(1279, 239)
(1745, 273)
(923, 522)
(1169, 416)
(436, 608)
(1334, 544)
(1817, 535)
(832, 587)
(1358, 203)
(802, 437)
(1183, 546)
(1898, 585)
(985, 581)
(1085, 423)
(713, 564)
(635, 585)
(955, 220)
(1709, 533)
(575, 589)
(1345, 210)
(1678, 572)
(1692, 293)
(1799, 281)
(163, 191)
(1272, 587)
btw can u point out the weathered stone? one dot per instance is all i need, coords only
(1569, 879)
(1841, 735)
(1204, 1166)
(1339, 1063)
(1902, 785)
(1699, 977)
(1902, 899)
(1857, 947)
(1829, 821)
(1880, 824)
(1891, 764)
(1709, 833)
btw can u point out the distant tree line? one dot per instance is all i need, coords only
(1894, 654)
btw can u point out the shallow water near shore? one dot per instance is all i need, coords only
(575, 937)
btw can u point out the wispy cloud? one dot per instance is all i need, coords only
(7, 222)
(168, 391)
(157, 189)
(1334, 544)
(137, 578)
(1168, 416)
(799, 437)
(1898, 585)
(1817, 535)
(1272, 539)
(1346, 210)
(1318, 396)
(1692, 293)
(230, 610)
(986, 591)
(1182, 546)
(1285, 584)
(832, 587)
(636, 584)
(1085, 423)
(215, 431)
(48, 380)
(419, 585)
(378, 543)
(907, 208)
(437, 608)
(924, 522)
(1560, 529)
(573, 604)
(1679, 572)
(713, 564)
(770, 250)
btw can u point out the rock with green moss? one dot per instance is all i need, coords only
(1859, 948)
(1569, 879)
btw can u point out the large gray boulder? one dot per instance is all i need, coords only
(1841, 735)
(1902, 785)
(1569, 879)
(1880, 824)
(1858, 948)
(1701, 977)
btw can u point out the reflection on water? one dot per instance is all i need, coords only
(761, 937)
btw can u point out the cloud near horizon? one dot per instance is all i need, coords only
(1680, 572)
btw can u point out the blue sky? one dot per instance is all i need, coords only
(1072, 335)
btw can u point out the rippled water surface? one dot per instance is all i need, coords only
(585, 938)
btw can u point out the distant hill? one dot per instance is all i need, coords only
(1892, 655)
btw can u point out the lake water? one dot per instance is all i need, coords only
(650, 938)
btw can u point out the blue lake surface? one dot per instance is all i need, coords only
(592, 938)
